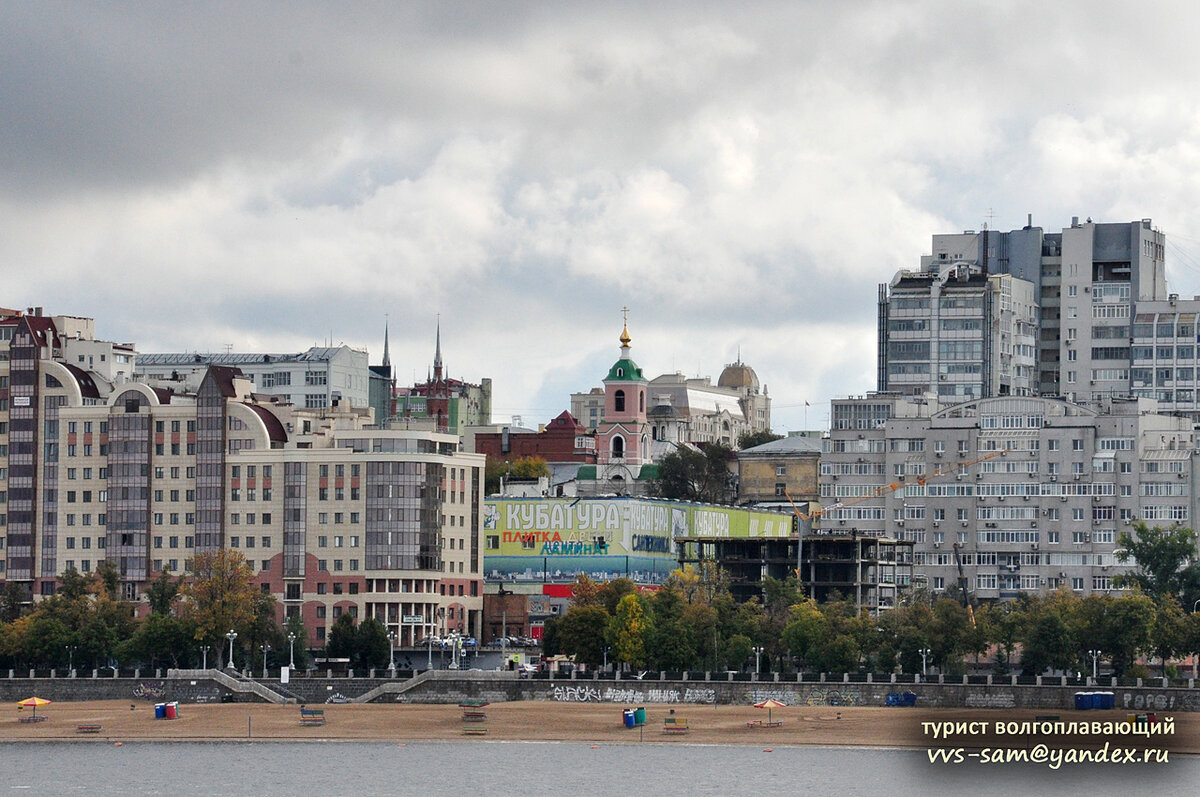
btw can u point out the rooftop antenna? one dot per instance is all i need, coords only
(228, 348)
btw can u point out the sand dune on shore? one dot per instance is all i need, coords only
(522, 721)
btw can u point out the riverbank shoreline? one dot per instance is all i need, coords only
(529, 721)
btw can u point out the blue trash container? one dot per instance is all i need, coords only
(630, 719)
(160, 711)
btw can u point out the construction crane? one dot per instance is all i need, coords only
(939, 473)
(942, 471)
(963, 593)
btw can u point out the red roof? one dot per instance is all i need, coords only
(275, 430)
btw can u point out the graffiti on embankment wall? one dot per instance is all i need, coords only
(594, 694)
(1157, 701)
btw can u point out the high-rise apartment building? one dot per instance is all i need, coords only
(1025, 494)
(957, 332)
(333, 514)
(1087, 284)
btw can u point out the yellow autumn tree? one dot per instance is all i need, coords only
(218, 596)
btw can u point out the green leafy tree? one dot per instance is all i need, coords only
(552, 644)
(581, 633)
(752, 439)
(738, 649)
(162, 639)
(1169, 635)
(372, 647)
(672, 644)
(806, 633)
(162, 592)
(73, 586)
(1167, 561)
(343, 639)
(110, 578)
(1123, 628)
(689, 474)
(13, 600)
(1047, 642)
(839, 653)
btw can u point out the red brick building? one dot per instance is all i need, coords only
(564, 439)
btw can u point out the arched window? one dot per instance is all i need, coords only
(619, 401)
(618, 446)
(641, 401)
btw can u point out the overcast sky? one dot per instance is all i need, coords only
(271, 176)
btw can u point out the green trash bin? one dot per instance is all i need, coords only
(640, 715)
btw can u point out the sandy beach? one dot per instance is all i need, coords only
(524, 721)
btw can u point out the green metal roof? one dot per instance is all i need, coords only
(624, 370)
(648, 471)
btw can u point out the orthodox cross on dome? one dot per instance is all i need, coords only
(625, 338)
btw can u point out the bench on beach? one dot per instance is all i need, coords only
(474, 730)
(32, 718)
(312, 716)
(675, 725)
(96, 728)
(754, 724)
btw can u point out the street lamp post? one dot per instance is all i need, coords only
(758, 651)
(70, 658)
(264, 647)
(606, 649)
(291, 651)
(232, 635)
(204, 655)
(924, 661)
(1095, 654)
(429, 641)
(392, 649)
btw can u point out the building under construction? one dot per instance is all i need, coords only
(870, 571)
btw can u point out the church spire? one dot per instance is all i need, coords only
(625, 338)
(437, 355)
(387, 359)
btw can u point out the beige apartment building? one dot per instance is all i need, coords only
(333, 514)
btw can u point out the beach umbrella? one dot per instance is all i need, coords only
(34, 702)
(769, 704)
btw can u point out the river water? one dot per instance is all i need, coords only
(290, 769)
